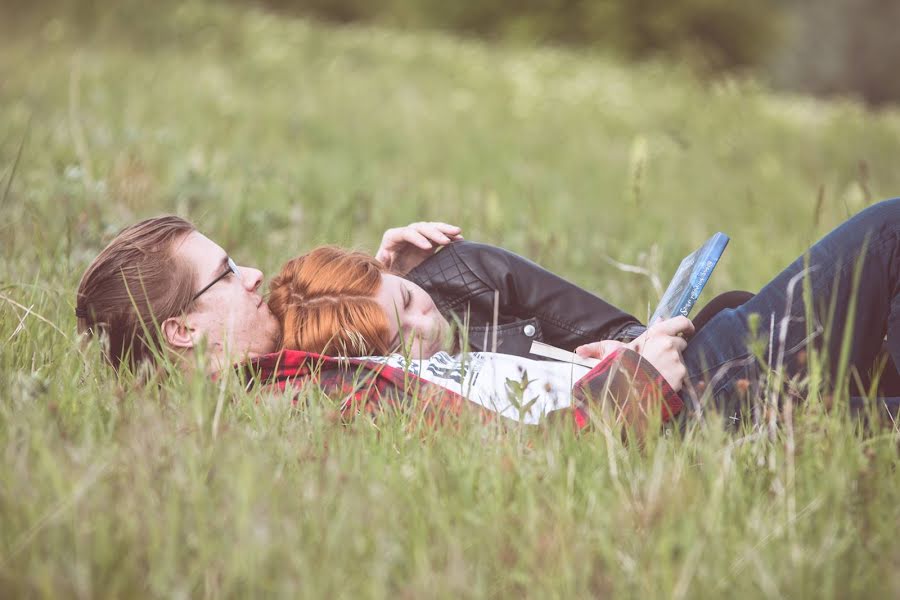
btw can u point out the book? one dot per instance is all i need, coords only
(690, 278)
(548, 351)
(678, 299)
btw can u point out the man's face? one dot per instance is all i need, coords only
(231, 314)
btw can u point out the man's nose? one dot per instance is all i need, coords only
(251, 278)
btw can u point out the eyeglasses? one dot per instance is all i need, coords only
(232, 268)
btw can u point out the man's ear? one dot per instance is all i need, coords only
(178, 332)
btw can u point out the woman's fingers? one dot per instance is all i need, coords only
(662, 345)
(664, 353)
(451, 231)
(598, 349)
(674, 326)
(395, 238)
(384, 255)
(422, 235)
(435, 235)
(591, 350)
(439, 233)
(404, 248)
(418, 239)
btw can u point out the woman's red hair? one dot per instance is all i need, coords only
(325, 302)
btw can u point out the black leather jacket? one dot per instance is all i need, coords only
(533, 304)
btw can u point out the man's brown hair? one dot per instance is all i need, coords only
(133, 285)
(325, 302)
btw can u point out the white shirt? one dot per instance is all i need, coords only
(515, 387)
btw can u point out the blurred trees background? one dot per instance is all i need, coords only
(823, 47)
(712, 34)
(841, 47)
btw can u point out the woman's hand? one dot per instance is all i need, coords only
(598, 349)
(662, 345)
(404, 248)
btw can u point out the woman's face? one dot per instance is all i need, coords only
(413, 320)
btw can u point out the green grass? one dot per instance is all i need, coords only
(276, 135)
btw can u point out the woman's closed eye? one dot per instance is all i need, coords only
(407, 298)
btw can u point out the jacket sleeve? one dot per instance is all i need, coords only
(627, 386)
(467, 274)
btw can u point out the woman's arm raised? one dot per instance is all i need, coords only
(404, 248)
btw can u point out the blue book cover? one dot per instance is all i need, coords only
(692, 275)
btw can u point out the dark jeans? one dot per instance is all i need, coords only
(723, 370)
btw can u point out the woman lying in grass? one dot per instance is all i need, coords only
(843, 307)
(335, 302)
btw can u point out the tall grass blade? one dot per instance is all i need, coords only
(15, 165)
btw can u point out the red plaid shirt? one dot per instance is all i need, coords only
(623, 380)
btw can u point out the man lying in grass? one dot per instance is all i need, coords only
(161, 287)
(164, 272)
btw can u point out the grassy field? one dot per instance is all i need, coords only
(275, 135)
